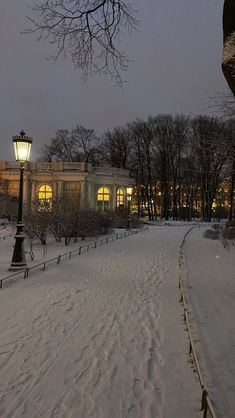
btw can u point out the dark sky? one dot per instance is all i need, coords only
(175, 68)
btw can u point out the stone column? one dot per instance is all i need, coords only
(89, 193)
(114, 197)
(83, 192)
(60, 190)
(33, 191)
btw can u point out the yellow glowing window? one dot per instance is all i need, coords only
(120, 197)
(103, 194)
(45, 192)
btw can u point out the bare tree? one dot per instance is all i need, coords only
(137, 166)
(47, 153)
(230, 148)
(79, 144)
(209, 148)
(142, 138)
(164, 140)
(224, 105)
(115, 147)
(62, 147)
(178, 151)
(88, 30)
(39, 223)
(65, 215)
(85, 140)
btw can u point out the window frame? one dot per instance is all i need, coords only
(120, 198)
(103, 199)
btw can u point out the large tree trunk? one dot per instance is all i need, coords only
(228, 60)
(232, 194)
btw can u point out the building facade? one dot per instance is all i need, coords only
(101, 188)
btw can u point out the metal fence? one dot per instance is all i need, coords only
(68, 255)
(3, 228)
(6, 236)
(206, 404)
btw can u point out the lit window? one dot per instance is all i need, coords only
(103, 198)
(120, 198)
(45, 194)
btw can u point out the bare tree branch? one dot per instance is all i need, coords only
(88, 30)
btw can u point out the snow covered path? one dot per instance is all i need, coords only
(101, 335)
(211, 274)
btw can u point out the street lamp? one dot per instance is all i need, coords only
(22, 146)
(128, 196)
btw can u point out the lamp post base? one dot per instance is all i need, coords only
(18, 258)
(19, 267)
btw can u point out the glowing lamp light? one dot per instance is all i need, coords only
(22, 147)
(129, 191)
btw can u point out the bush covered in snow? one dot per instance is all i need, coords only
(226, 233)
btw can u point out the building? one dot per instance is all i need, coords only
(101, 188)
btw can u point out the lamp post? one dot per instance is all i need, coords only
(22, 146)
(128, 196)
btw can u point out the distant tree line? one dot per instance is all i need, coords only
(187, 159)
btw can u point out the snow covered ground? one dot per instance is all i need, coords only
(53, 249)
(101, 335)
(211, 283)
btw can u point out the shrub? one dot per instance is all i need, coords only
(119, 219)
(211, 234)
(228, 233)
(230, 224)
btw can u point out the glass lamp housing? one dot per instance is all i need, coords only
(22, 147)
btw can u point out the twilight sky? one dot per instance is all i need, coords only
(175, 68)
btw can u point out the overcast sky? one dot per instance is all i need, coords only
(175, 68)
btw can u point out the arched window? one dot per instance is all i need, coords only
(45, 195)
(103, 198)
(120, 198)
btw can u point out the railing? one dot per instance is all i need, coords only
(6, 236)
(77, 166)
(111, 171)
(9, 165)
(42, 166)
(68, 255)
(46, 166)
(206, 404)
